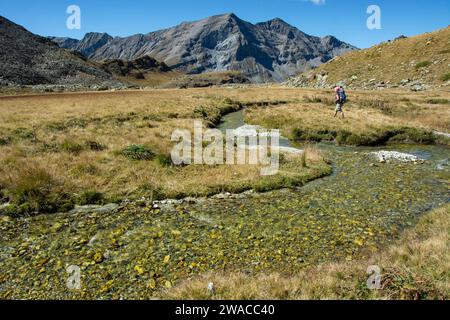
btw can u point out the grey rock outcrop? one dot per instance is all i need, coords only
(136, 68)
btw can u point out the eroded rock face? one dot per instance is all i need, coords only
(28, 59)
(268, 51)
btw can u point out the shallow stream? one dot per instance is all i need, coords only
(131, 252)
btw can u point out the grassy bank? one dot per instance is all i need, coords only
(423, 58)
(57, 150)
(415, 267)
(371, 118)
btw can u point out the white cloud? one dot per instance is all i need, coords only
(318, 2)
(315, 2)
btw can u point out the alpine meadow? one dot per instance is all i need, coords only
(225, 158)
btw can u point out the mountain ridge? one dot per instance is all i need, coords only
(29, 59)
(267, 51)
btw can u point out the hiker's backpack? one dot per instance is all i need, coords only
(342, 96)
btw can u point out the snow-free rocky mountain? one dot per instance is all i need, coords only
(28, 59)
(267, 51)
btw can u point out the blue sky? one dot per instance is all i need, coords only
(345, 19)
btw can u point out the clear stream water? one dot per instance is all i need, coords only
(130, 253)
(235, 120)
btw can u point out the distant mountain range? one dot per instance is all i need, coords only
(267, 51)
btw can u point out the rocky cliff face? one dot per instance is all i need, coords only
(28, 59)
(268, 51)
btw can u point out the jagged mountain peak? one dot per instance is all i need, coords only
(330, 38)
(279, 26)
(97, 35)
(229, 15)
(276, 22)
(218, 21)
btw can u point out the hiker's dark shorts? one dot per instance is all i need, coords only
(339, 107)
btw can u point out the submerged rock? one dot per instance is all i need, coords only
(384, 156)
(95, 208)
(167, 203)
(291, 150)
(443, 164)
(4, 205)
(442, 134)
(258, 131)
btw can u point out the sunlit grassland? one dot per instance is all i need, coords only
(61, 146)
(78, 141)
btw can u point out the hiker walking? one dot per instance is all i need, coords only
(341, 99)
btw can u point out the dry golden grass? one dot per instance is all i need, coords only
(78, 137)
(152, 79)
(56, 132)
(416, 267)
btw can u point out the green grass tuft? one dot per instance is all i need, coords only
(95, 146)
(34, 190)
(164, 160)
(138, 152)
(90, 198)
(24, 133)
(71, 146)
(423, 64)
(313, 136)
(445, 77)
(4, 141)
(438, 101)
